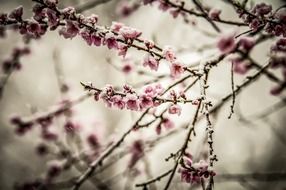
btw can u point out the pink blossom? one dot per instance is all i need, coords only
(49, 136)
(108, 90)
(34, 28)
(214, 14)
(96, 96)
(163, 6)
(51, 3)
(159, 89)
(202, 165)
(255, 24)
(53, 19)
(87, 37)
(92, 141)
(173, 95)
(182, 95)
(96, 40)
(116, 26)
(132, 102)
(151, 62)
(128, 89)
(167, 123)
(279, 30)
(122, 50)
(175, 12)
(175, 109)
(71, 128)
(3, 17)
(110, 41)
(261, 9)
(68, 12)
(127, 68)
(149, 44)
(70, 31)
(38, 12)
(280, 45)
(125, 8)
(145, 101)
(177, 69)
(188, 159)
(158, 129)
(45, 122)
(92, 19)
(226, 44)
(246, 43)
(54, 169)
(186, 176)
(137, 150)
(276, 90)
(240, 66)
(153, 91)
(150, 91)
(281, 15)
(129, 33)
(17, 13)
(9, 65)
(118, 101)
(169, 54)
(91, 38)
(146, 2)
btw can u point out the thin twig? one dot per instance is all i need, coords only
(233, 94)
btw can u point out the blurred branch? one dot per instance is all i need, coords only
(89, 5)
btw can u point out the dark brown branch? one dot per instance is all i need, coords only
(185, 146)
(155, 179)
(89, 5)
(233, 94)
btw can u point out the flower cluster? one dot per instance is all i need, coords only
(128, 98)
(93, 141)
(45, 121)
(125, 8)
(214, 14)
(163, 5)
(176, 68)
(226, 43)
(13, 62)
(261, 16)
(240, 65)
(194, 172)
(71, 24)
(166, 123)
(278, 61)
(137, 151)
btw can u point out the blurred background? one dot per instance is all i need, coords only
(244, 144)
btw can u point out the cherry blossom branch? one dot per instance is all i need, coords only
(12, 64)
(260, 17)
(247, 81)
(185, 145)
(181, 8)
(200, 7)
(45, 118)
(89, 5)
(93, 166)
(98, 162)
(158, 178)
(79, 22)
